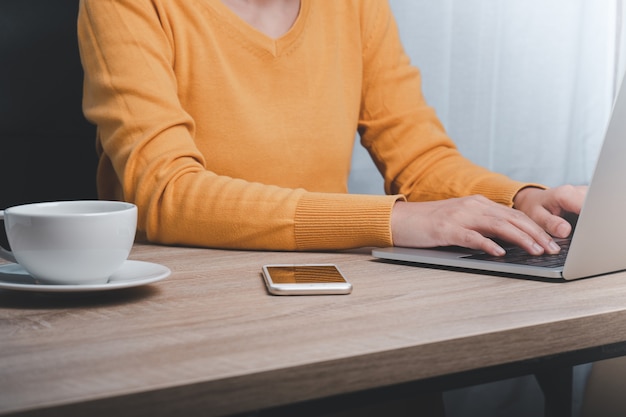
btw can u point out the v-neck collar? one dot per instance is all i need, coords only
(257, 39)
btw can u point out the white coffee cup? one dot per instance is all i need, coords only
(70, 242)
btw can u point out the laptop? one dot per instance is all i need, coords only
(597, 244)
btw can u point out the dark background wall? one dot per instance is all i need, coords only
(47, 148)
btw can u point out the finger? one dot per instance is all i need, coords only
(560, 200)
(475, 240)
(490, 247)
(554, 225)
(510, 225)
(569, 198)
(517, 228)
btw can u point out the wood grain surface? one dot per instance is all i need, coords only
(209, 340)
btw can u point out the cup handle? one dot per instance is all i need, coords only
(5, 254)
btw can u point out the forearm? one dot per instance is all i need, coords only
(182, 204)
(404, 135)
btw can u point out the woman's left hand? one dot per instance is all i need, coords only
(547, 207)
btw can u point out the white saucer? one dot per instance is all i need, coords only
(131, 274)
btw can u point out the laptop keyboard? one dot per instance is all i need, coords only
(516, 255)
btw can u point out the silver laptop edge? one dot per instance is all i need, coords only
(456, 260)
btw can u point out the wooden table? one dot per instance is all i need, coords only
(210, 341)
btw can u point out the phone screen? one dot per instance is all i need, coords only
(305, 274)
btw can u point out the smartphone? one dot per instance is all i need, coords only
(305, 279)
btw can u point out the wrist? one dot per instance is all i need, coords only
(523, 194)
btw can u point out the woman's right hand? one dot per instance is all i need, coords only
(470, 222)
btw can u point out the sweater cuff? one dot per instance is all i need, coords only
(502, 189)
(343, 221)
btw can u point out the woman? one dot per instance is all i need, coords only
(231, 123)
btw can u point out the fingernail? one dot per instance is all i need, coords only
(554, 247)
(563, 230)
(537, 249)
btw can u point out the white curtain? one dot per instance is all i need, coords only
(525, 88)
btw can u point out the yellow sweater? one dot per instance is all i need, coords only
(224, 137)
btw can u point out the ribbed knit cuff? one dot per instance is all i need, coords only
(342, 221)
(502, 189)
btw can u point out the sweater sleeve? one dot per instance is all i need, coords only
(403, 134)
(149, 156)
